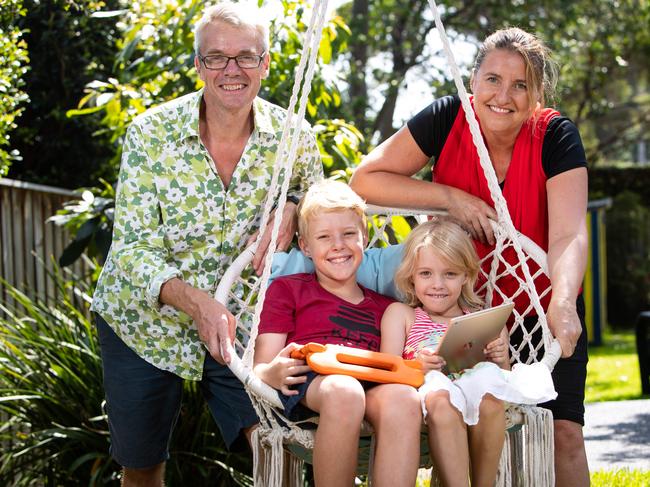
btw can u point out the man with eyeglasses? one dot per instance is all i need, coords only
(192, 185)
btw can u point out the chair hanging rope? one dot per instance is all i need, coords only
(284, 162)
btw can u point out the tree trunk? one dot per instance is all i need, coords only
(358, 63)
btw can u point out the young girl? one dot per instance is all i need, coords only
(465, 413)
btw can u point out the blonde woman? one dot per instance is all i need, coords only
(541, 166)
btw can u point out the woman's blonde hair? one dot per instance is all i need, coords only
(447, 239)
(541, 69)
(329, 195)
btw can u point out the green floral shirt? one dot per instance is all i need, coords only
(175, 218)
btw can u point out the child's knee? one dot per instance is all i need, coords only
(343, 397)
(491, 407)
(439, 407)
(400, 402)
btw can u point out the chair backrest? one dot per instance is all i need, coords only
(240, 287)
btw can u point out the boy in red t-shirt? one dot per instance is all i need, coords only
(329, 306)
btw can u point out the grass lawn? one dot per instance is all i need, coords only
(613, 370)
(620, 478)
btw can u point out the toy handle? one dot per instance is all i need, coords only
(362, 364)
(306, 350)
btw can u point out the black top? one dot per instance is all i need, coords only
(562, 148)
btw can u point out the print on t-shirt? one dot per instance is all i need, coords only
(356, 326)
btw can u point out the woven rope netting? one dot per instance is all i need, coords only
(244, 293)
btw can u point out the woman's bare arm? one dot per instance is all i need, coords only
(567, 253)
(385, 178)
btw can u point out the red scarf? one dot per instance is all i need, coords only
(524, 190)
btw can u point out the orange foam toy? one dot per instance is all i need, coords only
(362, 364)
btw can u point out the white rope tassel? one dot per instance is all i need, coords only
(294, 466)
(504, 474)
(538, 448)
(267, 457)
(259, 457)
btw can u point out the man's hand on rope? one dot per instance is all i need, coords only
(564, 324)
(474, 214)
(283, 371)
(286, 233)
(216, 326)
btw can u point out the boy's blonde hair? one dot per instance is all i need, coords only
(447, 239)
(329, 195)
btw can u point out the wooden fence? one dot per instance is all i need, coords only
(28, 242)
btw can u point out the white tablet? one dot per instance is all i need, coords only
(463, 343)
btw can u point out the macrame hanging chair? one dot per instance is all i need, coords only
(527, 457)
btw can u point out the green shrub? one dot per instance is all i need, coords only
(53, 430)
(628, 259)
(50, 390)
(13, 67)
(68, 47)
(612, 181)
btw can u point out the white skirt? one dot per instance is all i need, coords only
(525, 384)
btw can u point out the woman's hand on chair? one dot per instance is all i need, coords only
(430, 360)
(474, 213)
(283, 371)
(564, 323)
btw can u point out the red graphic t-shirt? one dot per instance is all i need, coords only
(299, 306)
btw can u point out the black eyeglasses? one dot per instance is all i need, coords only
(244, 61)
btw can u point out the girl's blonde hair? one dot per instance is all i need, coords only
(447, 239)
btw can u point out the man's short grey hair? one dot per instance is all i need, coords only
(239, 15)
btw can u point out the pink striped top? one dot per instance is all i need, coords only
(423, 333)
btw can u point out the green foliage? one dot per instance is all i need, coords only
(611, 181)
(53, 429)
(155, 63)
(68, 47)
(90, 220)
(340, 147)
(13, 67)
(623, 477)
(50, 391)
(627, 239)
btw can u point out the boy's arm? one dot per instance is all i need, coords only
(273, 363)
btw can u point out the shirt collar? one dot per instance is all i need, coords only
(263, 120)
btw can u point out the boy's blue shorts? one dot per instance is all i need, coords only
(296, 411)
(143, 402)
